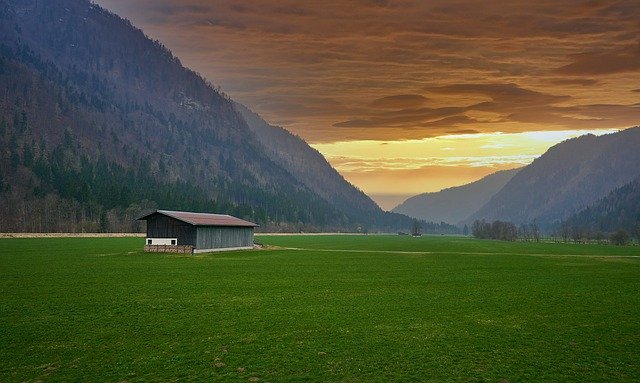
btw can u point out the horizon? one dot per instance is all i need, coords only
(353, 87)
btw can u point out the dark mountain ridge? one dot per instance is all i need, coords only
(99, 123)
(620, 209)
(308, 166)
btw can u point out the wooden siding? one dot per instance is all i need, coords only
(217, 237)
(161, 226)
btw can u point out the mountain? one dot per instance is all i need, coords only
(309, 166)
(454, 204)
(620, 209)
(98, 123)
(568, 178)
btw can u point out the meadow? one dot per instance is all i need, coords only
(319, 309)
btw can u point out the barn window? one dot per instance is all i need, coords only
(149, 242)
(173, 241)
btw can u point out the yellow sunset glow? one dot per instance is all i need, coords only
(431, 164)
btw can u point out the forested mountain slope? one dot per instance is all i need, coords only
(308, 166)
(453, 205)
(98, 123)
(620, 209)
(568, 178)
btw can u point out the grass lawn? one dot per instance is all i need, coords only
(333, 308)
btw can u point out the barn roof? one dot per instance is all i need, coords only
(202, 219)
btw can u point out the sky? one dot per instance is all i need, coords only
(405, 97)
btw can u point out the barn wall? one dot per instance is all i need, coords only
(217, 237)
(161, 226)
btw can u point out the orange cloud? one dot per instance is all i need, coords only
(339, 70)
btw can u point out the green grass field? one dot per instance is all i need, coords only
(333, 308)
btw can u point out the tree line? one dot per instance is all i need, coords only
(48, 187)
(567, 232)
(508, 231)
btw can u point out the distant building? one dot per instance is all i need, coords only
(186, 232)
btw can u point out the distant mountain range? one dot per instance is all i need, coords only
(455, 204)
(567, 179)
(98, 123)
(588, 181)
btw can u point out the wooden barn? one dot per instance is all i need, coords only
(186, 232)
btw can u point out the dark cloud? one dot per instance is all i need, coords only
(399, 101)
(622, 114)
(507, 103)
(596, 116)
(573, 81)
(503, 95)
(449, 122)
(418, 114)
(408, 118)
(626, 59)
(464, 131)
(357, 124)
(504, 103)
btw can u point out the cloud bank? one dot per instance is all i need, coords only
(395, 70)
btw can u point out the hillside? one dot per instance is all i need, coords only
(454, 204)
(308, 166)
(568, 178)
(620, 209)
(98, 123)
